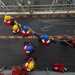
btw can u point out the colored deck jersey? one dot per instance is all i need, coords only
(9, 22)
(26, 33)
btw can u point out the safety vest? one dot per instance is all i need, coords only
(16, 32)
(9, 22)
(24, 48)
(16, 72)
(25, 65)
(19, 71)
(26, 33)
(46, 42)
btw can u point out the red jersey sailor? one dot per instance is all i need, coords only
(44, 39)
(59, 67)
(8, 20)
(25, 68)
(28, 47)
(68, 42)
(29, 65)
(73, 43)
(26, 31)
(19, 70)
(16, 70)
(15, 29)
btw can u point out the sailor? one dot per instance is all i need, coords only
(15, 29)
(19, 70)
(44, 39)
(26, 31)
(29, 64)
(68, 42)
(28, 47)
(59, 67)
(73, 43)
(16, 70)
(8, 20)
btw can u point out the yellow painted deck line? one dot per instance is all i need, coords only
(30, 37)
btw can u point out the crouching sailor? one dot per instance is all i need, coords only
(28, 47)
(30, 64)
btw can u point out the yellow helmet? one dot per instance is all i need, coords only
(7, 18)
(15, 27)
(31, 65)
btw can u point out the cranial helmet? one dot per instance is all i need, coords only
(29, 48)
(7, 18)
(25, 28)
(45, 37)
(15, 27)
(31, 65)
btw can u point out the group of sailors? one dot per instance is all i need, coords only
(28, 46)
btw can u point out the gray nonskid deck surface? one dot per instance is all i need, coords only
(42, 73)
(50, 26)
(11, 52)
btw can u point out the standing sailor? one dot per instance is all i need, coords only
(26, 31)
(8, 20)
(15, 29)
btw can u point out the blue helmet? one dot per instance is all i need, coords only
(45, 37)
(25, 28)
(29, 48)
